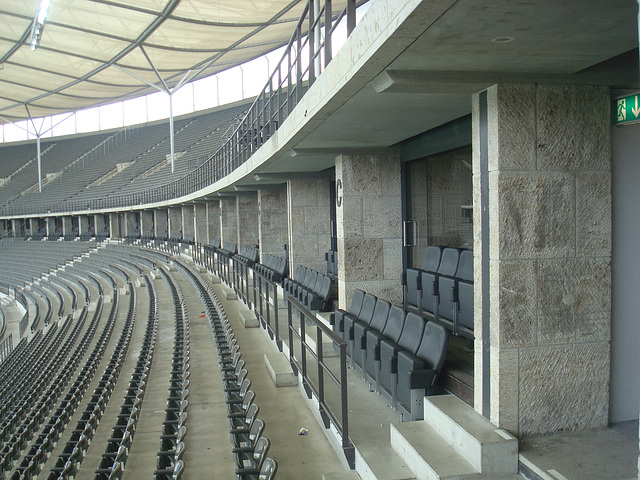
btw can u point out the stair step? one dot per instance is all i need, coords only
(427, 454)
(487, 448)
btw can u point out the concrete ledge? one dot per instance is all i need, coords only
(139, 283)
(123, 291)
(200, 269)
(348, 475)
(213, 279)
(249, 319)
(230, 294)
(280, 370)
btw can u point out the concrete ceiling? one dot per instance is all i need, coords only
(474, 44)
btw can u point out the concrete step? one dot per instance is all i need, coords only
(280, 370)
(348, 475)
(427, 454)
(489, 449)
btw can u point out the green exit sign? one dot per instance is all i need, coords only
(626, 109)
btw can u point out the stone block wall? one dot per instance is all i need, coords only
(247, 211)
(213, 220)
(309, 222)
(369, 220)
(273, 226)
(228, 220)
(549, 204)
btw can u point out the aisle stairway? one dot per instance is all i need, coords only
(455, 442)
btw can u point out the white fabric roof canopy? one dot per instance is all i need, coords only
(85, 41)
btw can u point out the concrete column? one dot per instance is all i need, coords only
(369, 221)
(542, 246)
(50, 223)
(273, 227)
(228, 220)
(100, 223)
(187, 222)
(114, 225)
(247, 208)
(146, 223)
(161, 222)
(213, 220)
(200, 222)
(130, 224)
(66, 225)
(83, 224)
(19, 227)
(175, 222)
(309, 218)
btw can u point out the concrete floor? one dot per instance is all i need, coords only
(604, 454)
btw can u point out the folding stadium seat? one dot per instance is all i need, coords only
(464, 319)
(359, 343)
(239, 410)
(244, 441)
(317, 300)
(173, 474)
(237, 396)
(430, 282)
(337, 319)
(417, 373)
(409, 341)
(243, 425)
(412, 278)
(448, 288)
(392, 332)
(365, 315)
(249, 464)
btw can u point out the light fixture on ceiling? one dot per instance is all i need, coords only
(38, 23)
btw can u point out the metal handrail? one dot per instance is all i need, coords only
(287, 84)
(324, 371)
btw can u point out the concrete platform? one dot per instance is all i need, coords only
(280, 370)
(248, 318)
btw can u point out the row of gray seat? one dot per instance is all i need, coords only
(400, 354)
(310, 288)
(442, 290)
(250, 446)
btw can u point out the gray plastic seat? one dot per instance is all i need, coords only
(430, 281)
(392, 331)
(418, 373)
(359, 343)
(409, 341)
(412, 281)
(365, 315)
(354, 309)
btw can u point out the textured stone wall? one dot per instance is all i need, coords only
(228, 220)
(188, 230)
(200, 222)
(146, 223)
(161, 222)
(175, 222)
(114, 225)
(273, 226)
(247, 208)
(129, 223)
(83, 224)
(213, 220)
(369, 221)
(549, 163)
(66, 225)
(309, 222)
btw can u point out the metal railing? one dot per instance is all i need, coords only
(306, 55)
(318, 381)
(6, 347)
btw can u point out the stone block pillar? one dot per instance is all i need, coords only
(83, 224)
(213, 220)
(273, 227)
(228, 220)
(161, 222)
(247, 208)
(369, 221)
(175, 222)
(66, 225)
(146, 223)
(100, 224)
(4, 229)
(130, 224)
(114, 225)
(50, 223)
(200, 222)
(309, 220)
(187, 223)
(542, 247)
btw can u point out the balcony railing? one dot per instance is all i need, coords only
(307, 54)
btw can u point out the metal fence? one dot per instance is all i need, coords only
(306, 55)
